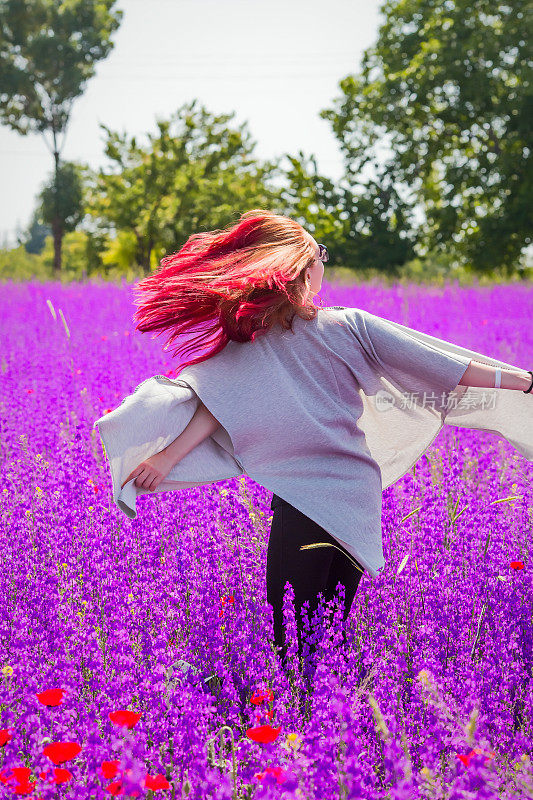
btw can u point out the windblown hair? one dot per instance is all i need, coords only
(238, 282)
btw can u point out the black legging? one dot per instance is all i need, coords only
(309, 571)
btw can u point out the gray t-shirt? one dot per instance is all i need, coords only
(325, 417)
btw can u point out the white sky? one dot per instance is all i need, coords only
(276, 64)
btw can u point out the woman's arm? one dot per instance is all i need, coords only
(483, 376)
(150, 472)
(202, 425)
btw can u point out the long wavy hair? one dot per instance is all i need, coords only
(238, 282)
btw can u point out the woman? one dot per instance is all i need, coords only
(308, 402)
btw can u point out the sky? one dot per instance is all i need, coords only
(276, 64)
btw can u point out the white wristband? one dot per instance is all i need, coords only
(498, 378)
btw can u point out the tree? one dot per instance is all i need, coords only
(48, 51)
(194, 174)
(315, 202)
(61, 203)
(362, 230)
(35, 234)
(447, 88)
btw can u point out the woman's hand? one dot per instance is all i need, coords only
(151, 472)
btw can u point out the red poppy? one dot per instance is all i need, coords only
(59, 775)
(517, 564)
(264, 734)
(227, 599)
(25, 788)
(51, 697)
(224, 600)
(5, 736)
(22, 774)
(62, 775)
(107, 410)
(277, 772)
(260, 695)
(155, 782)
(29, 391)
(466, 759)
(109, 768)
(124, 717)
(58, 752)
(114, 788)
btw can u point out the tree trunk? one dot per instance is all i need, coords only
(57, 227)
(148, 258)
(143, 260)
(57, 233)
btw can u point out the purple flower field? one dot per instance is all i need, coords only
(432, 697)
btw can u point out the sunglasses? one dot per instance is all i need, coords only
(323, 254)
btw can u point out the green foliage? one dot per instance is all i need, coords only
(365, 229)
(82, 254)
(82, 257)
(35, 234)
(48, 51)
(315, 201)
(74, 248)
(17, 264)
(196, 173)
(87, 256)
(447, 88)
(61, 200)
(435, 269)
(121, 251)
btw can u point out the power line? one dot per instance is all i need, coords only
(239, 59)
(227, 76)
(38, 153)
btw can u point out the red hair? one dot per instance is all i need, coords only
(238, 281)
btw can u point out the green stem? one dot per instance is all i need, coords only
(328, 544)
